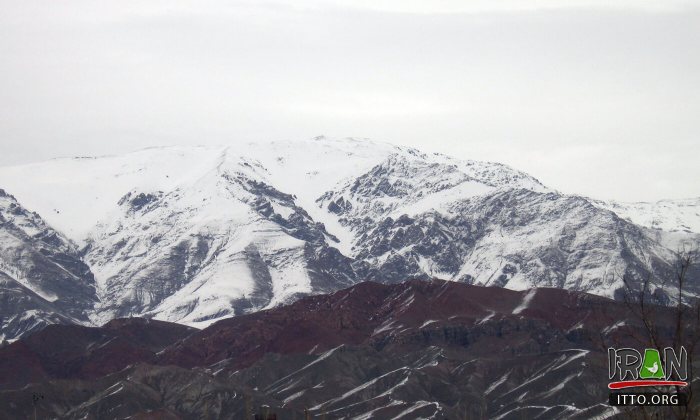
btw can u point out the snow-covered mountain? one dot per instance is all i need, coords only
(669, 215)
(194, 234)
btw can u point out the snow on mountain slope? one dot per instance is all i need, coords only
(73, 194)
(414, 183)
(528, 238)
(518, 239)
(42, 278)
(412, 350)
(218, 245)
(194, 234)
(668, 215)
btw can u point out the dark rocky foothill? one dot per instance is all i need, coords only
(417, 349)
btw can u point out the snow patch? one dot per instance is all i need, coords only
(525, 302)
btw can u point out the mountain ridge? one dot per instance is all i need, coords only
(194, 234)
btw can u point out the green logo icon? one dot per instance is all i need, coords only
(651, 366)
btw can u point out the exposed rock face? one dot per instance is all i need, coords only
(516, 239)
(23, 311)
(42, 277)
(416, 349)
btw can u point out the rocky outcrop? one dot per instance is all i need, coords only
(43, 279)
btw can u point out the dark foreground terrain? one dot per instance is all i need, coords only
(411, 350)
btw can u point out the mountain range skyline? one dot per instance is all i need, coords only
(224, 144)
(196, 234)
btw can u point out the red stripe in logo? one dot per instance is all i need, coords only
(632, 384)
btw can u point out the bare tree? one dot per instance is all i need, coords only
(674, 302)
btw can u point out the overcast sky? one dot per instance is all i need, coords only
(590, 98)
